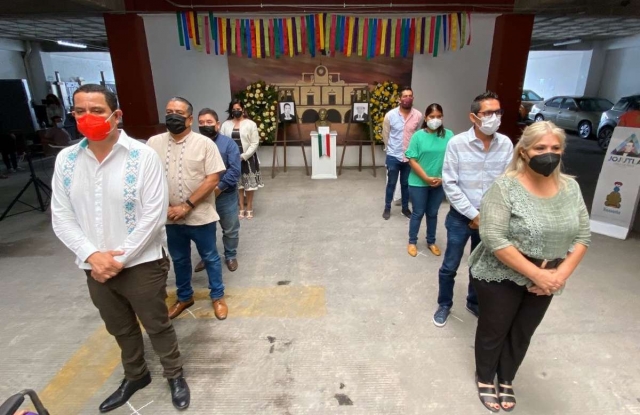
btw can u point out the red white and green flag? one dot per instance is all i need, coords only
(324, 145)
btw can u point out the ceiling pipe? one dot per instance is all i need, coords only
(437, 5)
(341, 6)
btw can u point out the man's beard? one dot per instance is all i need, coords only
(406, 106)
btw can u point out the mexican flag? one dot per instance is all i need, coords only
(324, 145)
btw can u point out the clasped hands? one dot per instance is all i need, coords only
(548, 281)
(434, 181)
(104, 266)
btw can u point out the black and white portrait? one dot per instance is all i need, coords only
(287, 112)
(360, 112)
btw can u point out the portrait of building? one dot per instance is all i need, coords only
(322, 89)
(314, 83)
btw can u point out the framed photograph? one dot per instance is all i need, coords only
(360, 112)
(287, 112)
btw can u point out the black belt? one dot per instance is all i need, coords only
(545, 264)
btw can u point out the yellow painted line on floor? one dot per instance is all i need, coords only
(281, 301)
(85, 372)
(82, 375)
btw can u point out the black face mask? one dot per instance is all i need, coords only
(176, 123)
(236, 113)
(545, 164)
(208, 131)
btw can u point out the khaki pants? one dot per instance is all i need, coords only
(136, 293)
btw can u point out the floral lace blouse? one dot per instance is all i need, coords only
(542, 228)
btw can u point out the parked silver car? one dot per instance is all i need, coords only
(579, 114)
(609, 119)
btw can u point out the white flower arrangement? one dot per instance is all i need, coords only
(260, 100)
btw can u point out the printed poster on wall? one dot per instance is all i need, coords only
(320, 82)
(616, 199)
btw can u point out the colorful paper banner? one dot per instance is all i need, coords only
(323, 34)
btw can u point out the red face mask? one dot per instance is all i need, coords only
(94, 127)
(406, 102)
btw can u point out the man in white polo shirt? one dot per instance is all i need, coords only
(473, 161)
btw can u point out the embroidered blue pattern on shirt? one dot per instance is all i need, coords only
(130, 181)
(67, 170)
(130, 189)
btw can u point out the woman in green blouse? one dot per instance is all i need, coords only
(534, 227)
(426, 157)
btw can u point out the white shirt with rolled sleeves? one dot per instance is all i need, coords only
(469, 170)
(119, 204)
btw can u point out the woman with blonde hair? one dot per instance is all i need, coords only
(534, 227)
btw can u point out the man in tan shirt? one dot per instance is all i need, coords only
(192, 164)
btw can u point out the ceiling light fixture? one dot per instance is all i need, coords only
(568, 42)
(71, 44)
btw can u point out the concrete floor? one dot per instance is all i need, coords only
(328, 314)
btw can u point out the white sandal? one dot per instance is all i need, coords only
(249, 214)
(241, 214)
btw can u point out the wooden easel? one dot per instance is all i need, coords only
(360, 95)
(286, 95)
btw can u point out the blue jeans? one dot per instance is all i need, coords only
(397, 168)
(458, 233)
(179, 239)
(227, 208)
(424, 200)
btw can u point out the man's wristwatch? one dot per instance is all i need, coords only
(191, 205)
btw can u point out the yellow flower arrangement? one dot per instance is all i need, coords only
(384, 98)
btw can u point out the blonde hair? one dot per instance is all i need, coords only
(530, 137)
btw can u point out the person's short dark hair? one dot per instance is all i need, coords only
(208, 111)
(184, 101)
(110, 97)
(287, 105)
(477, 102)
(53, 99)
(404, 88)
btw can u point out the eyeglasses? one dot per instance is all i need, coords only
(498, 113)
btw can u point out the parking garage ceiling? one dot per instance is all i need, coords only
(557, 21)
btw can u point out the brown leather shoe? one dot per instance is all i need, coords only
(220, 308)
(177, 309)
(412, 250)
(435, 250)
(232, 264)
(199, 267)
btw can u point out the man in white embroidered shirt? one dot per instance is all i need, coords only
(473, 161)
(109, 207)
(192, 165)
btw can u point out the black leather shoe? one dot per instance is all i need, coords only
(125, 391)
(180, 394)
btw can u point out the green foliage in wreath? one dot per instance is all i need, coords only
(260, 100)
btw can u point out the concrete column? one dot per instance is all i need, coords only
(40, 71)
(511, 42)
(596, 69)
(132, 72)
